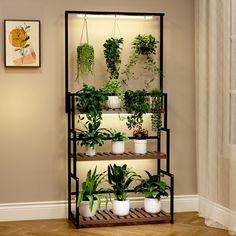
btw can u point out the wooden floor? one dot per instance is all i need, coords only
(186, 224)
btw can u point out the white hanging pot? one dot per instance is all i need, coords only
(140, 146)
(152, 205)
(85, 211)
(118, 147)
(120, 208)
(113, 102)
(90, 151)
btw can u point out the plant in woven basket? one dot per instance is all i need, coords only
(112, 53)
(85, 59)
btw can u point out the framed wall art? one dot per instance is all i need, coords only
(22, 43)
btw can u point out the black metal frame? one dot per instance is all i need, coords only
(72, 135)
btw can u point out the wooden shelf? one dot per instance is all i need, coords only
(106, 156)
(136, 216)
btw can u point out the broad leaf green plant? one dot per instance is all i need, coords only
(120, 178)
(152, 187)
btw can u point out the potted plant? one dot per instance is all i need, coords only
(89, 198)
(112, 52)
(156, 95)
(152, 188)
(93, 135)
(120, 178)
(144, 47)
(91, 101)
(118, 141)
(140, 142)
(112, 88)
(85, 59)
(136, 105)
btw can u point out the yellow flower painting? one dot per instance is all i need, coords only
(22, 45)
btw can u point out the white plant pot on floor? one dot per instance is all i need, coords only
(120, 208)
(118, 147)
(152, 205)
(90, 151)
(113, 102)
(140, 146)
(85, 211)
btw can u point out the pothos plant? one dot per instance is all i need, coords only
(156, 107)
(85, 59)
(112, 53)
(135, 104)
(143, 45)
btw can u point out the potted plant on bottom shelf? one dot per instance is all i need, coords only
(89, 198)
(140, 142)
(118, 141)
(153, 189)
(120, 178)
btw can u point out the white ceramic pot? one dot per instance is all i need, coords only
(140, 146)
(90, 151)
(120, 208)
(85, 211)
(118, 147)
(152, 205)
(113, 102)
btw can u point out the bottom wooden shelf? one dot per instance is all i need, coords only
(136, 216)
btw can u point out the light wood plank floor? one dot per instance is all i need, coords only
(186, 224)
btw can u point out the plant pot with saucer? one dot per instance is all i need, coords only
(140, 142)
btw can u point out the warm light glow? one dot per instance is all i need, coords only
(116, 16)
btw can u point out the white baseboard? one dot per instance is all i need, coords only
(217, 215)
(58, 209)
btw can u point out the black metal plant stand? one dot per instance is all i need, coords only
(106, 217)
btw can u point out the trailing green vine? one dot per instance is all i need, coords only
(156, 111)
(112, 53)
(85, 60)
(143, 45)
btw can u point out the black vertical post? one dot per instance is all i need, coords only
(161, 51)
(165, 110)
(66, 62)
(172, 199)
(168, 151)
(74, 153)
(158, 161)
(69, 159)
(72, 112)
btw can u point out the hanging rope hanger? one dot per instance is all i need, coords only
(85, 25)
(115, 28)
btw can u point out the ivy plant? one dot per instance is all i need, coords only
(156, 107)
(112, 53)
(136, 105)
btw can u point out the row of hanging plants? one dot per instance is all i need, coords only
(144, 49)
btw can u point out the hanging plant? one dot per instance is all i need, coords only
(112, 53)
(85, 60)
(145, 45)
(156, 111)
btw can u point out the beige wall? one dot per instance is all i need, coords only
(33, 123)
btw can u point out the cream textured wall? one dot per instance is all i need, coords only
(33, 124)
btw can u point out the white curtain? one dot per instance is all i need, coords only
(216, 159)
